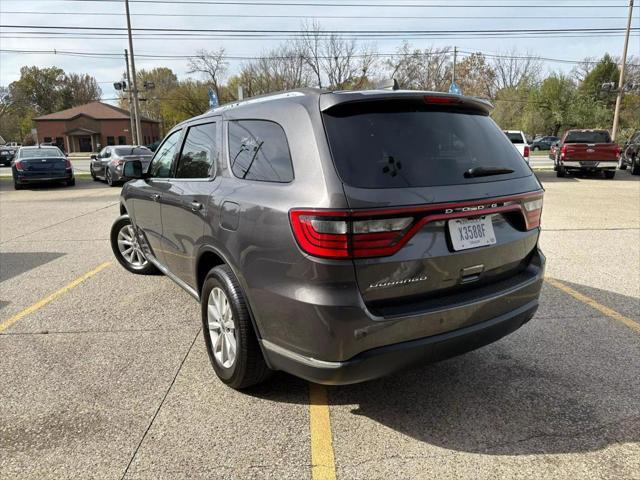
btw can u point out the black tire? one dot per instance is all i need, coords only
(147, 269)
(93, 175)
(610, 174)
(635, 166)
(560, 172)
(621, 163)
(249, 367)
(109, 178)
(17, 186)
(71, 183)
(535, 149)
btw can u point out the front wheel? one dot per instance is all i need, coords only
(229, 337)
(635, 166)
(535, 149)
(621, 163)
(560, 172)
(126, 248)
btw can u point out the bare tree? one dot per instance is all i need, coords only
(583, 69)
(428, 69)
(212, 64)
(310, 47)
(513, 69)
(339, 61)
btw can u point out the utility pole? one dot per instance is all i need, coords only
(134, 91)
(455, 58)
(616, 114)
(134, 139)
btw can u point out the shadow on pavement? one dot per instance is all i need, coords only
(13, 264)
(621, 176)
(82, 183)
(558, 385)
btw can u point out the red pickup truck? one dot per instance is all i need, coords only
(586, 151)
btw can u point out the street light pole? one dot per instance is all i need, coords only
(131, 112)
(134, 85)
(616, 114)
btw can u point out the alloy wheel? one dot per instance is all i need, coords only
(130, 248)
(222, 328)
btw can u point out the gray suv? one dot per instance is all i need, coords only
(339, 236)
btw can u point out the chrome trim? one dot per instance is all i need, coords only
(296, 357)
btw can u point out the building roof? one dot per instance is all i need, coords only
(95, 110)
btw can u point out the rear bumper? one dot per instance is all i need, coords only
(33, 178)
(591, 165)
(388, 359)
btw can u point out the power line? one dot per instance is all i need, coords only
(361, 5)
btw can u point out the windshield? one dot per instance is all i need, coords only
(588, 137)
(125, 151)
(402, 144)
(40, 152)
(515, 137)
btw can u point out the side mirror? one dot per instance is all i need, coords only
(133, 169)
(94, 157)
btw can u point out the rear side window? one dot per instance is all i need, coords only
(126, 151)
(258, 150)
(588, 137)
(408, 144)
(199, 152)
(515, 137)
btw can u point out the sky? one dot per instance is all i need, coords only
(461, 16)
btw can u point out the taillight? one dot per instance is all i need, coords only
(526, 151)
(337, 234)
(18, 165)
(563, 151)
(532, 212)
(67, 163)
(441, 99)
(117, 162)
(345, 234)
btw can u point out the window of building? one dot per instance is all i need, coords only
(122, 140)
(47, 139)
(163, 159)
(111, 140)
(258, 150)
(199, 152)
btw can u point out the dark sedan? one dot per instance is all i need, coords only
(543, 143)
(41, 165)
(109, 163)
(6, 155)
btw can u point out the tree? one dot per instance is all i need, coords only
(510, 104)
(513, 70)
(428, 69)
(38, 89)
(212, 64)
(78, 89)
(551, 106)
(605, 71)
(475, 76)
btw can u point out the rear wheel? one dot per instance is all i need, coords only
(560, 171)
(17, 186)
(71, 183)
(536, 148)
(609, 174)
(635, 166)
(231, 342)
(126, 248)
(109, 178)
(621, 163)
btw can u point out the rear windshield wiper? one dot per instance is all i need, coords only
(486, 171)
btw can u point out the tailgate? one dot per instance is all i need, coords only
(422, 225)
(591, 152)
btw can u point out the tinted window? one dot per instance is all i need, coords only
(40, 152)
(258, 150)
(163, 159)
(199, 152)
(404, 144)
(515, 137)
(588, 137)
(123, 152)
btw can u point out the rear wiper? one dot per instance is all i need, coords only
(486, 171)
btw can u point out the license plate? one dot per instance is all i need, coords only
(471, 232)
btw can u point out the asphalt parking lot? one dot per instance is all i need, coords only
(105, 375)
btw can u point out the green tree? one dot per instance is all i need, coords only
(38, 89)
(605, 71)
(78, 89)
(550, 107)
(510, 103)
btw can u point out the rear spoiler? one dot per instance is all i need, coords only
(331, 99)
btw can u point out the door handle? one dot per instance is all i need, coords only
(195, 206)
(156, 197)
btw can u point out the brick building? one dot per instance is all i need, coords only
(89, 127)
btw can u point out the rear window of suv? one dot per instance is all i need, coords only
(588, 137)
(409, 144)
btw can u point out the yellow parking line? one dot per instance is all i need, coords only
(50, 298)
(635, 326)
(323, 465)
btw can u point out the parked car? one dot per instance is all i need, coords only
(154, 146)
(543, 143)
(108, 164)
(630, 154)
(339, 236)
(586, 151)
(41, 164)
(519, 141)
(6, 155)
